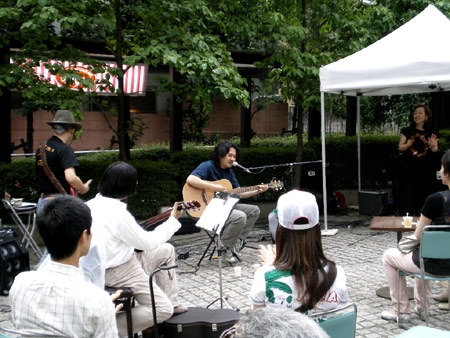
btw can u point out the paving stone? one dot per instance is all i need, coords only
(356, 248)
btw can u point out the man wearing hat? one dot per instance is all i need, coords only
(56, 160)
(296, 274)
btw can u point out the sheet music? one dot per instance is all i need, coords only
(216, 213)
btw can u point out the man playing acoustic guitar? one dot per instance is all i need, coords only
(243, 217)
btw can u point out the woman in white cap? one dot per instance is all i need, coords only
(296, 274)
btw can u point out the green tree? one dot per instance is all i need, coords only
(175, 34)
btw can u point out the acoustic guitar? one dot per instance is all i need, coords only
(205, 195)
(192, 205)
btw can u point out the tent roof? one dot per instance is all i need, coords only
(414, 58)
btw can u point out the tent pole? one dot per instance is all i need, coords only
(358, 130)
(324, 176)
(325, 232)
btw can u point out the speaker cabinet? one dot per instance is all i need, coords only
(14, 258)
(372, 202)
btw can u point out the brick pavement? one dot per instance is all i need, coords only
(354, 247)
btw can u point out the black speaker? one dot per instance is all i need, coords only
(14, 258)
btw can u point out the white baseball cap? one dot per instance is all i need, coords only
(297, 204)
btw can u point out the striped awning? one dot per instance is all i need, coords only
(135, 78)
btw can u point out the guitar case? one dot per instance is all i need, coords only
(199, 323)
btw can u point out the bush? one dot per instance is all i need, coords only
(162, 174)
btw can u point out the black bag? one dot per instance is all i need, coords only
(199, 323)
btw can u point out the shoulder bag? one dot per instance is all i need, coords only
(52, 176)
(408, 243)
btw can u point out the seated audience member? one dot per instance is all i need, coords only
(275, 323)
(117, 234)
(296, 274)
(55, 299)
(436, 210)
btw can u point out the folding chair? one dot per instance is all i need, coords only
(127, 299)
(28, 228)
(339, 322)
(433, 244)
(423, 331)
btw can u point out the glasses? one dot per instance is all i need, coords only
(229, 333)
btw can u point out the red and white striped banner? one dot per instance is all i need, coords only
(135, 79)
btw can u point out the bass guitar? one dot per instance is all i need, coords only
(204, 195)
(192, 205)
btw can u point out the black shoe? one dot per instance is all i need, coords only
(148, 332)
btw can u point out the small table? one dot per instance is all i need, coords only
(28, 211)
(392, 223)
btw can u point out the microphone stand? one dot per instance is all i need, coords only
(222, 299)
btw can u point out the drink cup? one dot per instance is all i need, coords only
(407, 221)
(237, 271)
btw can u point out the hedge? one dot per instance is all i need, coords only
(162, 174)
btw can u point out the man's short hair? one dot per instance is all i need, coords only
(61, 222)
(274, 323)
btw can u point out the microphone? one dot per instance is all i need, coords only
(235, 164)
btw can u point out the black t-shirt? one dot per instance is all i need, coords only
(436, 208)
(59, 157)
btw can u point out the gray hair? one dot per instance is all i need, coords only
(60, 129)
(274, 323)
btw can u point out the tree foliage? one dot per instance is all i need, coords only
(196, 40)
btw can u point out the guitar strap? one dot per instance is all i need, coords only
(49, 173)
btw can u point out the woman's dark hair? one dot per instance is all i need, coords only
(445, 161)
(222, 149)
(428, 122)
(301, 252)
(118, 181)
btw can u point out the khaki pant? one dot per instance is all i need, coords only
(134, 274)
(239, 224)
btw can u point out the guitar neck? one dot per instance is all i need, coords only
(166, 214)
(155, 219)
(240, 190)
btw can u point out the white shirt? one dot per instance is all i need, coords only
(115, 228)
(57, 300)
(277, 289)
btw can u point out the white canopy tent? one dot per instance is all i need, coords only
(415, 58)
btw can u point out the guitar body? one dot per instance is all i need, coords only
(202, 195)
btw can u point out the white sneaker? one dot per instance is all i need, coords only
(388, 315)
(228, 255)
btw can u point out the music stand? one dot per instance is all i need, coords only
(213, 219)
